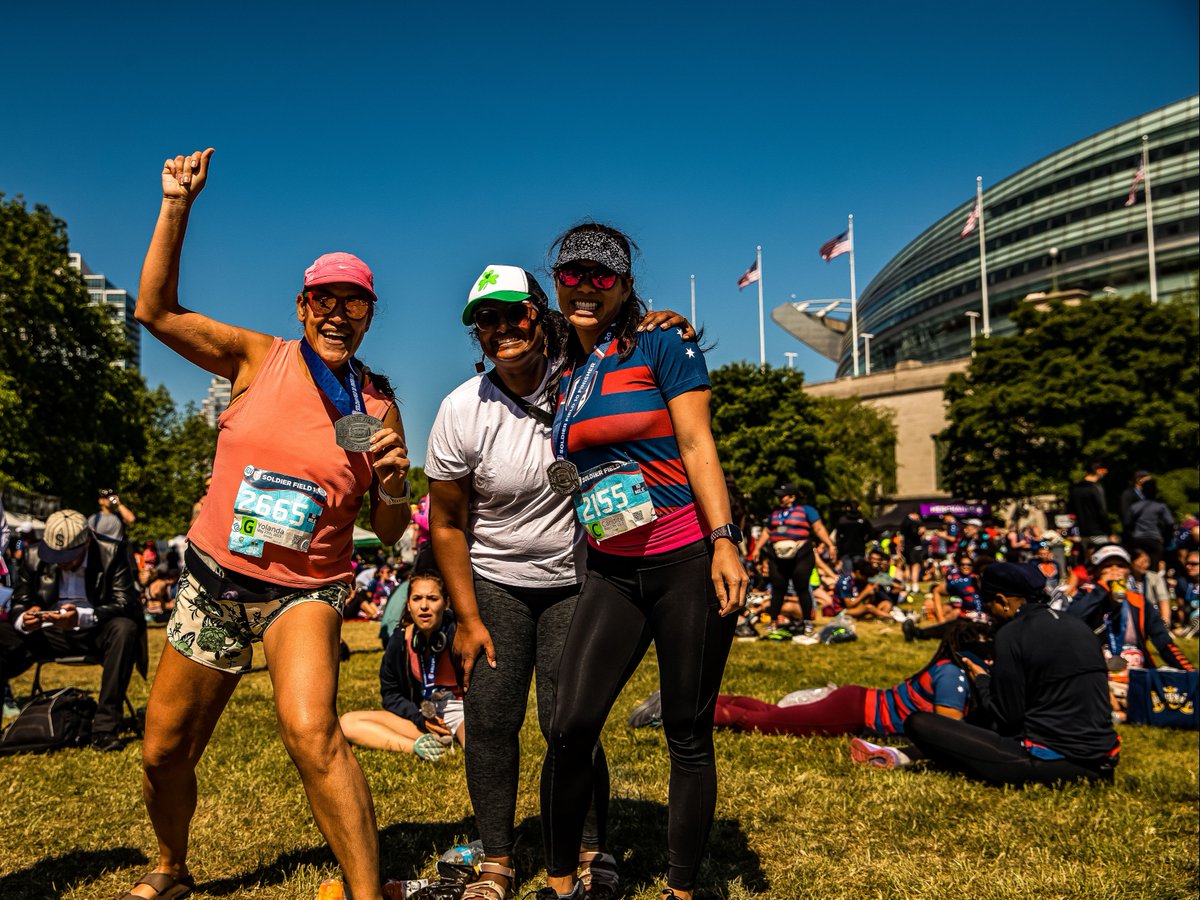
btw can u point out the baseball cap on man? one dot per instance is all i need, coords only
(1012, 580)
(65, 537)
(785, 490)
(505, 284)
(1109, 554)
(340, 268)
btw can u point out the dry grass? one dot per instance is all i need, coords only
(794, 819)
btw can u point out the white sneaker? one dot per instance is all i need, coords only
(899, 615)
(864, 753)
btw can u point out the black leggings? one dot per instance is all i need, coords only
(798, 570)
(627, 602)
(528, 627)
(986, 756)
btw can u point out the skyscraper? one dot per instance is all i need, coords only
(119, 303)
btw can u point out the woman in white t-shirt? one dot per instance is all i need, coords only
(511, 555)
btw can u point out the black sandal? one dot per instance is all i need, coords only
(167, 888)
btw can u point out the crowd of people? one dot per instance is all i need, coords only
(577, 513)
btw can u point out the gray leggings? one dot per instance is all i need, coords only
(528, 627)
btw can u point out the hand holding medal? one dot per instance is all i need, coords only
(390, 461)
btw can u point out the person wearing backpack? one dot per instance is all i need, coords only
(74, 596)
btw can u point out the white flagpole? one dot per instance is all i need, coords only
(693, 301)
(853, 297)
(762, 339)
(987, 321)
(1149, 218)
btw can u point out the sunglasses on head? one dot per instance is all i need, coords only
(602, 277)
(488, 318)
(324, 304)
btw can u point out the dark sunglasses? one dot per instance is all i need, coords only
(488, 318)
(570, 275)
(324, 304)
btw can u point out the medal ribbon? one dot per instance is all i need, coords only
(347, 397)
(578, 392)
(428, 674)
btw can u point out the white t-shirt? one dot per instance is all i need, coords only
(520, 532)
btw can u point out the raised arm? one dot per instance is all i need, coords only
(225, 350)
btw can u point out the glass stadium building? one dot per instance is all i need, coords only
(1061, 224)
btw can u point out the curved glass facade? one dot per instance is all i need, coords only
(1073, 202)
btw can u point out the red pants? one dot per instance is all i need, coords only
(841, 712)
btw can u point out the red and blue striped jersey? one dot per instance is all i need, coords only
(625, 416)
(943, 684)
(964, 592)
(793, 523)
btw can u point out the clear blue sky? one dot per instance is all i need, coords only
(432, 140)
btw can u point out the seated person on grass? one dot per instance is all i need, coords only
(422, 691)
(1046, 697)
(958, 595)
(940, 688)
(858, 594)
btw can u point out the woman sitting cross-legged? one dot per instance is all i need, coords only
(422, 694)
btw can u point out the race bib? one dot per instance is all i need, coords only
(274, 509)
(613, 498)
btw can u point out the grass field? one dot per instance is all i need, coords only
(794, 818)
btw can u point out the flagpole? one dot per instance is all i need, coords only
(987, 326)
(853, 297)
(1149, 218)
(762, 339)
(693, 301)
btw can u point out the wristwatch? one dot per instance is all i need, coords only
(388, 499)
(730, 531)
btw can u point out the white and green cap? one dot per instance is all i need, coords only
(507, 284)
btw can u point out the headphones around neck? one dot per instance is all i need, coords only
(434, 644)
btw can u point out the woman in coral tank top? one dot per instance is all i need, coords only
(309, 431)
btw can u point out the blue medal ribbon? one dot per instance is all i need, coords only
(577, 395)
(428, 674)
(348, 397)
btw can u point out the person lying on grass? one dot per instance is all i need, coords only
(940, 687)
(422, 692)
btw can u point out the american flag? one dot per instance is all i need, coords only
(972, 221)
(835, 246)
(749, 276)
(1138, 176)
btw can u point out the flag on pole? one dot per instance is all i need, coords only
(972, 221)
(1138, 176)
(749, 276)
(835, 246)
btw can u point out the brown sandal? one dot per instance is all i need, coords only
(486, 888)
(167, 888)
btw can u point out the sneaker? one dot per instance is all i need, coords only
(745, 632)
(647, 714)
(864, 753)
(909, 627)
(899, 615)
(809, 628)
(778, 634)
(548, 893)
(599, 876)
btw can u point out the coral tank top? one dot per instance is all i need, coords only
(284, 495)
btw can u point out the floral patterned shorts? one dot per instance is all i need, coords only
(220, 633)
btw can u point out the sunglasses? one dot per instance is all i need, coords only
(324, 304)
(488, 318)
(570, 275)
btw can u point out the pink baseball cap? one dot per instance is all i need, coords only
(345, 268)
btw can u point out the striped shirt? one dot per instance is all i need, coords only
(793, 523)
(943, 684)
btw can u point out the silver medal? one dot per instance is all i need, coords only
(354, 432)
(428, 710)
(563, 476)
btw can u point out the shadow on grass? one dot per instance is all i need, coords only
(404, 848)
(49, 878)
(637, 833)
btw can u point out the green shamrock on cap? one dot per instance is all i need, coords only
(488, 277)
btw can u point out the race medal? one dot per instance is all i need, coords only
(428, 710)
(354, 432)
(614, 498)
(564, 477)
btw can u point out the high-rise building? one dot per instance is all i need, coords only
(217, 400)
(119, 303)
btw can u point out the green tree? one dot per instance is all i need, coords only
(64, 405)
(418, 488)
(163, 482)
(768, 430)
(1112, 378)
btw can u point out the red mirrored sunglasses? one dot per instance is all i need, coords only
(602, 277)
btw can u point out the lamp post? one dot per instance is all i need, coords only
(972, 316)
(1054, 270)
(867, 350)
(791, 358)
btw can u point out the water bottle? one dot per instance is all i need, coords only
(403, 890)
(461, 861)
(331, 890)
(808, 695)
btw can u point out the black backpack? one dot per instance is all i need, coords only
(52, 719)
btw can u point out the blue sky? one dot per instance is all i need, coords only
(433, 141)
